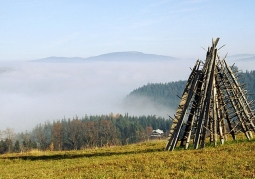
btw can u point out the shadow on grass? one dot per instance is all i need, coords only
(71, 156)
(111, 153)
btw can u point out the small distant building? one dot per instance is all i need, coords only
(157, 133)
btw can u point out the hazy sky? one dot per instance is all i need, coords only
(32, 29)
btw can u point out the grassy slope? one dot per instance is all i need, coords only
(144, 160)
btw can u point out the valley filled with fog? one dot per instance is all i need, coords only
(35, 92)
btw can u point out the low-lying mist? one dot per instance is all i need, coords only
(33, 93)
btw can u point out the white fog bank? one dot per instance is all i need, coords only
(32, 93)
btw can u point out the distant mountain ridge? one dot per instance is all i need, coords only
(242, 57)
(130, 56)
(59, 59)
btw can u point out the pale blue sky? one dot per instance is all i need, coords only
(33, 29)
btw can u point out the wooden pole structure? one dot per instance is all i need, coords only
(212, 104)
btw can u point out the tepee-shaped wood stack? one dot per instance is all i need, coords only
(212, 106)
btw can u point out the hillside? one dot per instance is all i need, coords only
(109, 57)
(158, 93)
(166, 94)
(143, 160)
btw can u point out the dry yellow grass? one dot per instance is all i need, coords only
(144, 160)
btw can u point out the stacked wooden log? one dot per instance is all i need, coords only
(212, 106)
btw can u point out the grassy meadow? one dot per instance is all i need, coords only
(144, 160)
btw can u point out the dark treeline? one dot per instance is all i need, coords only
(159, 93)
(87, 132)
(167, 93)
(247, 80)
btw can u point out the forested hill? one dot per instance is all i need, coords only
(159, 93)
(167, 93)
(248, 78)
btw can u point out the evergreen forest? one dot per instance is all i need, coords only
(169, 94)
